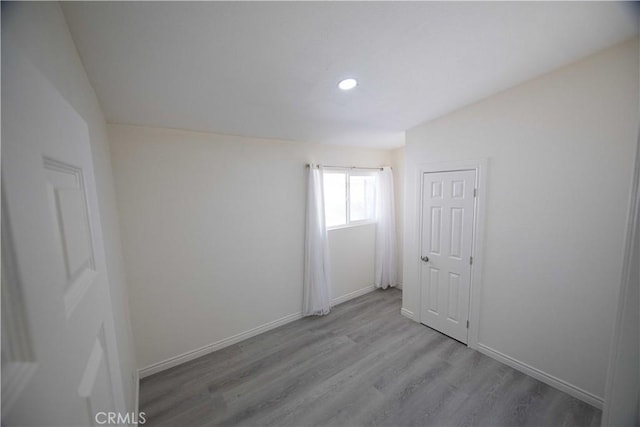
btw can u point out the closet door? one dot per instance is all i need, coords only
(447, 236)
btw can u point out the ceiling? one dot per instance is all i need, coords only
(270, 69)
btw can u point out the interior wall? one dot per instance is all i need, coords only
(40, 35)
(351, 259)
(560, 154)
(213, 233)
(398, 165)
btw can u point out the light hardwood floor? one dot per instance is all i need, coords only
(363, 364)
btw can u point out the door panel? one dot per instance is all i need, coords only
(453, 313)
(447, 235)
(58, 284)
(436, 226)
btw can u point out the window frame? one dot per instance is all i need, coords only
(348, 172)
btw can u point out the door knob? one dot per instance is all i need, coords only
(425, 258)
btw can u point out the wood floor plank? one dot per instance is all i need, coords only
(358, 376)
(363, 364)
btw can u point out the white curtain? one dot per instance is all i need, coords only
(385, 262)
(317, 286)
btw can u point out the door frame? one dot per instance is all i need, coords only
(480, 168)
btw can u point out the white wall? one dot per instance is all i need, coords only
(560, 154)
(213, 233)
(398, 164)
(352, 252)
(40, 34)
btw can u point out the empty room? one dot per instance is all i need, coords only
(320, 213)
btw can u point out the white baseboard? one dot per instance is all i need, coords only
(352, 295)
(210, 348)
(408, 313)
(225, 342)
(546, 378)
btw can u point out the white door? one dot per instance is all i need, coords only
(59, 356)
(447, 235)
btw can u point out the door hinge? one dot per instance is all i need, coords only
(467, 324)
(475, 192)
(470, 260)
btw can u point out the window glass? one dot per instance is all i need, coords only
(349, 196)
(361, 197)
(335, 198)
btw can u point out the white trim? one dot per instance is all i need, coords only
(633, 229)
(210, 348)
(408, 314)
(353, 224)
(225, 342)
(480, 167)
(352, 295)
(546, 378)
(136, 397)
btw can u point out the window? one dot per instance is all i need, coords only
(349, 197)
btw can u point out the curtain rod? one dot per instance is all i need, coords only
(345, 167)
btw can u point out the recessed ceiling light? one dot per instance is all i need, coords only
(348, 84)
